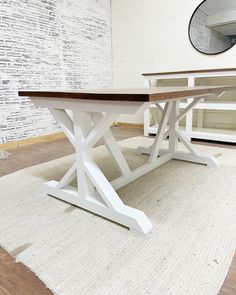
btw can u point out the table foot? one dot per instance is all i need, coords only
(210, 161)
(130, 217)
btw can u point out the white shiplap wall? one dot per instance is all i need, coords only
(152, 36)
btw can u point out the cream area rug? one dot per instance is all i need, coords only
(74, 252)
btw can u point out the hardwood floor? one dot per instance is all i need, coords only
(15, 278)
(229, 286)
(30, 155)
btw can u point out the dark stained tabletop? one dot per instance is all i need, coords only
(151, 94)
(191, 72)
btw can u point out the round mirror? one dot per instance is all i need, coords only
(212, 28)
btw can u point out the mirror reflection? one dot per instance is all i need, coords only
(212, 28)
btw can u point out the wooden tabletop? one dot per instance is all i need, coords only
(131, 94)
(191, 72)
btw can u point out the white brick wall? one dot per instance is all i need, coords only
(49, 44)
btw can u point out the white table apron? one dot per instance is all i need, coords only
(92, 121)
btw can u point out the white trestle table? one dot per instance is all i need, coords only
(94, 111)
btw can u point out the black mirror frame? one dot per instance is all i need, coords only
(189, 25)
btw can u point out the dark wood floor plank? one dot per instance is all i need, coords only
(16, 279)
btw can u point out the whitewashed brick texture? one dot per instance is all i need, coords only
(49, 44)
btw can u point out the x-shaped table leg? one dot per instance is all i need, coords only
(171, 116)
(94, 193)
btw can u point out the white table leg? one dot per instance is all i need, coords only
(94, 192)
(189, 116)
(146, 123)
(175, 135)
(146, 114)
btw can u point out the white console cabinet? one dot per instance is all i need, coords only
(198, 132)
